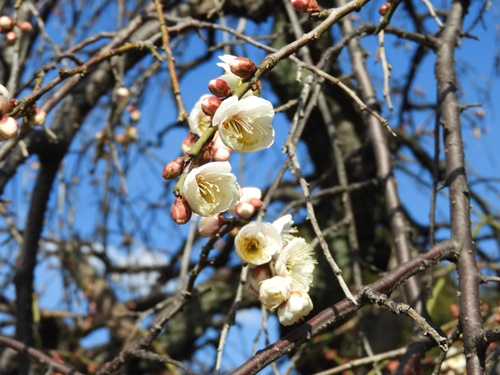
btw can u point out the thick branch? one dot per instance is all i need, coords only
(456, 180)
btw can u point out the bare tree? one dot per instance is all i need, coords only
(97, 98)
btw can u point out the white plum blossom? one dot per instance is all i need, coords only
(257, 242)
(211, 189)
(198, 121)
(245, 125)
(295, 262)
(284, 225)
(296, 307)
(274, 291)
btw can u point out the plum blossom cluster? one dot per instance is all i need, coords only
(281, 265)
(220, 124)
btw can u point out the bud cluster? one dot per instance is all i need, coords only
(7, 28)
(205, 184)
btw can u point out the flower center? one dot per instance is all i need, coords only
(242, 129)
(253, 245)
(207, 189)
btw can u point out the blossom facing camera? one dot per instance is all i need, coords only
(295, 262)
(180, 212)
(245, 125)
(198, 121)
(8, 128)
(257, 242)
(296, 307)
(211, 189)
(274, 291)
(242, 67)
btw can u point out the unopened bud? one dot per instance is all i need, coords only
(219, 87)
(220, 152)
(6, 24)
(210, 226)
(120, 138)
(25, 26)
(188, 142)
(210, 104)
(39, 117)
(11, 38)
(384, 8)
(135, 115)
(122, 92)
(173, 169)
(8, 128)
(256, 203)
(244, 210)
(132, 133)
(180, 212)
(304, 6)
(243, 67)
(101, 135)
(257, 275)
(5, 105)
(479, 113)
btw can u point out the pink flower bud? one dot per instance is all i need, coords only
(5, 105)
(11, 38)
(243, 67)
(188, 142)
(219, 87)
(220, 152)
(8, 128)
(210, 104)
(120, 138)
(6, 23)
(301, 5)
(122, 92)
(210, 226)
(180, 212)
(132, 133)
(173, 169)
(384, 8)
(25, 26)
(256, 203)
(39, 117)
(135, 115)
(244, 210)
